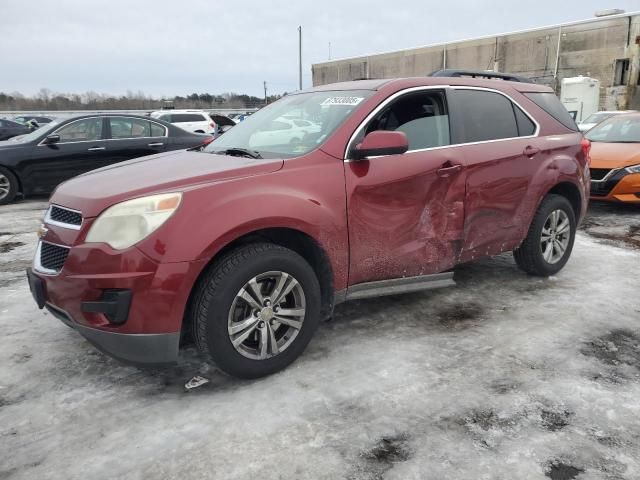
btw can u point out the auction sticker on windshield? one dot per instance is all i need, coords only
(350, 101)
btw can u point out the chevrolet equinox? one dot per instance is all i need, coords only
(246, 244)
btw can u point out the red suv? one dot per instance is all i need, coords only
(247, 244)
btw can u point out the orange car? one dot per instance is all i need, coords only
(615, 159)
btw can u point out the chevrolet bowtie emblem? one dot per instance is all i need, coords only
(42, 231)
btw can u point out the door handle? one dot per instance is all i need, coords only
(530, 151)
(95, 149)
(448, 170)
(157, 144)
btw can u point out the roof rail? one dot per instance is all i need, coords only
(480, 74)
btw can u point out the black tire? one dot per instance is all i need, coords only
(13, 186)
(215, 294)
(529, 255)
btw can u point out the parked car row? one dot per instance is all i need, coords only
(196, 121)
(37, 162)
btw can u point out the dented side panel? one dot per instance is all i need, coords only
(404, 220)
(504, 190)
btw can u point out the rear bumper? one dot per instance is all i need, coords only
(137, 349)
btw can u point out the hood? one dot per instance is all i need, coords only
(614, 155)
(13, 143)
(92, 192)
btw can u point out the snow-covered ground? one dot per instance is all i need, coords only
(503, 377)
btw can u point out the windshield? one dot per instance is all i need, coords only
(621, 129)
(292, 126)
(47, 127)
(597, 117)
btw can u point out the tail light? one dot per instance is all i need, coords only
(586, 148)
(212, 125)
(207, 141)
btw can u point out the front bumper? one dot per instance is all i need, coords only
(137, 349)
(621, 186)
(132, 310)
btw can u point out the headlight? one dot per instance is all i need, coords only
(633, 169)
(127, 223)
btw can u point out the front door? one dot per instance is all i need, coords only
(406, 211)
(81, 148)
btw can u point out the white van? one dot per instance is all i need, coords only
(190, 120)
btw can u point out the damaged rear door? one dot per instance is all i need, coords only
(406, 211)
(501, 152)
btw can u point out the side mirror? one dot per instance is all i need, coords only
(52, 139)
(381, 142)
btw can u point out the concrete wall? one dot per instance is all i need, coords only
(586, 48)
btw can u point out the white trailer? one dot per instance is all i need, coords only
(580, 96)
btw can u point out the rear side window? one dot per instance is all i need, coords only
(486, 116)
(525, 126)
(552, 105)
(186, 117)
(157, 130)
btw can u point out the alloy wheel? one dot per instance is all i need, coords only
(556, 234)
(266, 315)
(5, 186)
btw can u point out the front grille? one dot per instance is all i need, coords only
(602, 189)
(52, 257)
(63, 215)
(599, 173)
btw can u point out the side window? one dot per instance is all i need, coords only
(422, 116)
(166, 118)
(552, 105)
(186, 117)
(124, 127)
(157, 130)
(81, 131)
(486, 115)
(525, 125)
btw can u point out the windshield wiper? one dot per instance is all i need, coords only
(240, 152)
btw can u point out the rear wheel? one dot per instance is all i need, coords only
(549, 242)
(8, 186)
(256, 310)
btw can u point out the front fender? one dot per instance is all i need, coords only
(307, 196)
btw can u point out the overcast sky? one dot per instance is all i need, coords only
(171, 47)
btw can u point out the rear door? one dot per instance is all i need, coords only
(500, 151)
(81, 148)
(130, 137)
(406, 211)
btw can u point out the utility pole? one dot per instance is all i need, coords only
(329, 50)
(265, 91)
(300, 55)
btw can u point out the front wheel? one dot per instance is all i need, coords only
(8, 186)
(256, 309)
(548, 245)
